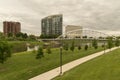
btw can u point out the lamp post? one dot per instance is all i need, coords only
(104, 47)
(60, 60)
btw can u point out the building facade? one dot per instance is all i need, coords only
(73, 31)
(52, 25)
(11, 27)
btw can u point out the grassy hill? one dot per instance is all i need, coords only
(22, 66)
(105, 67)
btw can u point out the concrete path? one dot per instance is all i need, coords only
(55, 72)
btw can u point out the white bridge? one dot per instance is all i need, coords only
(84, 33)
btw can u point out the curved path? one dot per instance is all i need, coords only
(55, 72)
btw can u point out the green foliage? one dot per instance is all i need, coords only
(105, 67)
(24, 65)
(18, 47)
(2, 36)
(79, 47)
(72, 46)
(32, 37)
(103, 45)
(10, 34)
(117, 42)
(86, 47)
(110, 43)
(48, 36)
(84, 37)
(34, 51)
(22, 35)
(48, 50)
(65, 46)
(95, 44)
(40, 53)
(5, 51)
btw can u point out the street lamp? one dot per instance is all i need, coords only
(60, 60)
(104, 47)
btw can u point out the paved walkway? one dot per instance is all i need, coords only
(55, 72)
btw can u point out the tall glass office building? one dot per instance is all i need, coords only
(52, 25)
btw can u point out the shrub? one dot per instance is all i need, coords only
(95, 44)
(79, 47)
(86, 47)
(117, 42)
(65, 46)
(40, 53)
(72, 46)
(49, 50)
(5, 51)
(110, 43)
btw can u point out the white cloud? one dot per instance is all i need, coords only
(96, 14)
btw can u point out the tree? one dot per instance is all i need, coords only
(79, 47)
(48, 50)
(65, 46)
(86, 47)
(5, 51)
(110, 43)
(72, 46)
(23, 35)
(32, 37)
(84, 37)
(2, 36)
(40, 53)
(95, 44)
(117, 42)
(10, 34)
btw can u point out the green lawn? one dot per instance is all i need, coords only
(105, 67)
(23, 66)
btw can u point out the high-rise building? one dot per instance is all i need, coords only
(11, 27)
(52, 25)
(73, 31)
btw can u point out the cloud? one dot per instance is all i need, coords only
(93, 14)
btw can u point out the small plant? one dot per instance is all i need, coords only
(72, 46)
(40, 53)
(117, 42)
(103, 46)
(86, 47)
(65, 46)
(110, 43)
(49, 50)
(95, 44)
(5, 51)
(79, 47)
(34, 51)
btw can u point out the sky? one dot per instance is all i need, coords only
(103, 15)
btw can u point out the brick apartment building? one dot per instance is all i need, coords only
(11, 27)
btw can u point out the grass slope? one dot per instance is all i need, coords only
(105, 67)
(23, 66)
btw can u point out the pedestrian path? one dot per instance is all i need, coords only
(55, 72)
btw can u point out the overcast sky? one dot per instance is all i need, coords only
(94, 14)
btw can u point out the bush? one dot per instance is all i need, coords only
(86, 47)
(103, 46)
(110, 43)
(65, 46)
(40, 53)
(117, 42)
(79, 47)
(18, 47)
(49, 50)
(5, 51)
(95, 44)
(72, 46)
